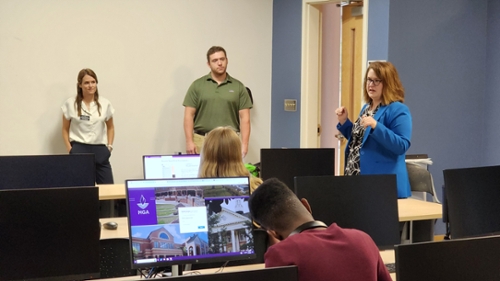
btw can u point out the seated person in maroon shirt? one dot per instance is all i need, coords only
(320, 252)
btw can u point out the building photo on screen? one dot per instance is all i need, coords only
(175, 221)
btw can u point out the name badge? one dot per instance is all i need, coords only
(84, 118)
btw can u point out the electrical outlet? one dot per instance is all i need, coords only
(290, 105)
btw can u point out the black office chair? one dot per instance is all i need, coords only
(421, 181)
(261, 240)
(115, 258)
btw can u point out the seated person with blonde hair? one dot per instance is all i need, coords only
(221, 156)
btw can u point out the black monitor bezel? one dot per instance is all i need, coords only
(78, 223)
(46, 171)
(471, 196)
(194, 260)
(287, 163)
(457, 259)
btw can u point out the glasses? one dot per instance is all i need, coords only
(375, 82)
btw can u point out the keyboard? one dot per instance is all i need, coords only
(391, 267)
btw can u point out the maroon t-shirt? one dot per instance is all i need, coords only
(331, 254)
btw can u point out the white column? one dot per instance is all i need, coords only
(236, 246)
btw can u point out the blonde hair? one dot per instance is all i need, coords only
(221, 156)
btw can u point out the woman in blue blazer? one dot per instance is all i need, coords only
(380, 136)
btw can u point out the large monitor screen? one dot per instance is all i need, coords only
(49, 234)
(179, 221)
(171, 166)
(287, 163)
(365, 202)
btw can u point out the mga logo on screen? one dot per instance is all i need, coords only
(143, 204)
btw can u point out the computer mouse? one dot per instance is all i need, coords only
(111, 225)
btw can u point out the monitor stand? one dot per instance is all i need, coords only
(176, 270)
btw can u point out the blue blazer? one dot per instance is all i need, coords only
(383, 148)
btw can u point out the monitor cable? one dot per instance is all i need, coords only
(222, 267)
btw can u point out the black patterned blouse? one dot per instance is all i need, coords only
(352, 166)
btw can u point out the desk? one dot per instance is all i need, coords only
(120, 232)
(112, 191)
(387, 257)
(409, 209)
(414, 210)
(202, 271)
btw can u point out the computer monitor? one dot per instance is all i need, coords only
(461, 259)
(472, 196)
(171, 166)
(365, 202)
(49, 233)
(189, 221)
(39, 171)
(287, 163)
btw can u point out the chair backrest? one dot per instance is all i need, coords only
(421, 180)
(260, 239)
(115, 258)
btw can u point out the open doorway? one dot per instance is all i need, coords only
(331, 66)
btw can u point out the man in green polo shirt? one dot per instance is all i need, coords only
(214, 100)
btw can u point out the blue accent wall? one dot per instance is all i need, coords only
(492, 97)
(378, 30)
(439, 49)
(286, 68)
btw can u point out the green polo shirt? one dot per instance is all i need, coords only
(217, 105)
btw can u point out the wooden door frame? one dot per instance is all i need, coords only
(310, 67)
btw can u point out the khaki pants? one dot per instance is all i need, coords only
(198, 141)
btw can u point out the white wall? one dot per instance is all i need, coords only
(145, 54)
